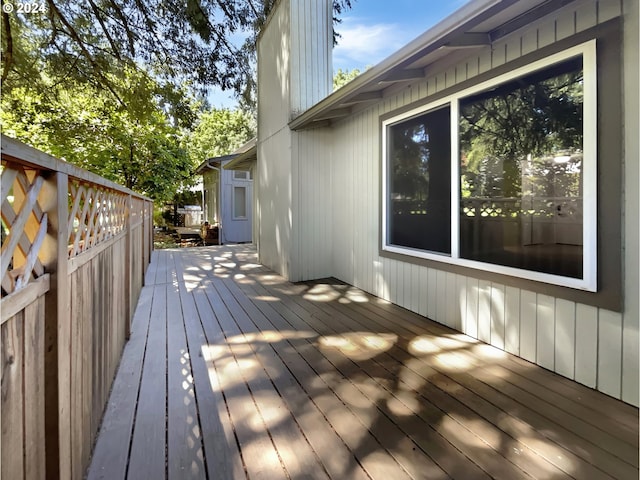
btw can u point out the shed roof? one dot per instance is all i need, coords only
(476, 25)
(245, 156)
(213, 162)
(240, 159)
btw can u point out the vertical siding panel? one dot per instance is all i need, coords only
(424, 291)
(472, 67)
(608, 9)
(528, 325)
(399, 281)
(546, 34)
(484, 60)
(529, 41)
(512, 320)
(461, 302)
(586, 16)
(565, 346)
(497, 316)
(356, 178)
(513, 49)
(451, 300)
(461, 72)
(450, 77)
(609, 352)
(415, 288)
(499, 54)
(546, 331)
(384, 270)
(433, 294)
(586, 368)
(408, 287)
(393, 281)
(484, 311)
(566, 24)
(631, 227)
(373, 164)
(472, 307)
(441, 300)
(630, 360)
(441, 81)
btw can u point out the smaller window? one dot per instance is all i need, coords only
(239, 202)
(419, 175)
(241, 175)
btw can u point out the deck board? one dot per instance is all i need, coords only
(231, 372)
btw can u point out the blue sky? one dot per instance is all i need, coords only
(372, 30)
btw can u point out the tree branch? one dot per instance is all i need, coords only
(74, 35)
(114, 47)
(125, 25)
(7, 55)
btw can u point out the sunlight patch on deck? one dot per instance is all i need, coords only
(266, 298)
(403, 403)
(359, 345)
(488, 351)
(423, 345)
(453, 361)
(322, 293)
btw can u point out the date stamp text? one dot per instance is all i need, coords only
(24, 7)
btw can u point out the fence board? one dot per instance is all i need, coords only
(34, 441)
(12, 398)
(62, 335)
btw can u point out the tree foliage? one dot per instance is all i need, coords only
(136, 146)
(111, 85)
(201, 42)
(342, 77)
(220, 132)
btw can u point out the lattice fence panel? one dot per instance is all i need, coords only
(24, 226)
(96, 215)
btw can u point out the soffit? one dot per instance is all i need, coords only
(473, 27)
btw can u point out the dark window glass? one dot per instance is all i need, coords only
(419, 172)
(521, 172)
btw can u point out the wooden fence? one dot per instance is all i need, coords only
(75, 248)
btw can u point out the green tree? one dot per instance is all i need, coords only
(342, 77)
(220, 132)
(177, 40)
(137, 146)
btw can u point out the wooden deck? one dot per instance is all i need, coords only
(232, 372)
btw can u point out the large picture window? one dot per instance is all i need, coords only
(501, 176)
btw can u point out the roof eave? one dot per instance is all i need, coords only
(452, 32)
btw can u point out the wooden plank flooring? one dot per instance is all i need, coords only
(232, 372)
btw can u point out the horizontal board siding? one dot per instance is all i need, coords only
(559, 335)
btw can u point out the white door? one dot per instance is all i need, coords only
(237, 214)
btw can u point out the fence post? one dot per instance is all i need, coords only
(57, 332)
(128, 269)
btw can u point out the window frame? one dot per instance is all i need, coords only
(589, 280)
(240, 217)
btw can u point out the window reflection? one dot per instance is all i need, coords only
(521, 172)
(419, 182)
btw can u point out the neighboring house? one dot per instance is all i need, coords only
(228, 195)
(479, 176)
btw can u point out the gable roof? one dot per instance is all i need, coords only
(476, 25)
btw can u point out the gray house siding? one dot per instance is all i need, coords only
(334, 215)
